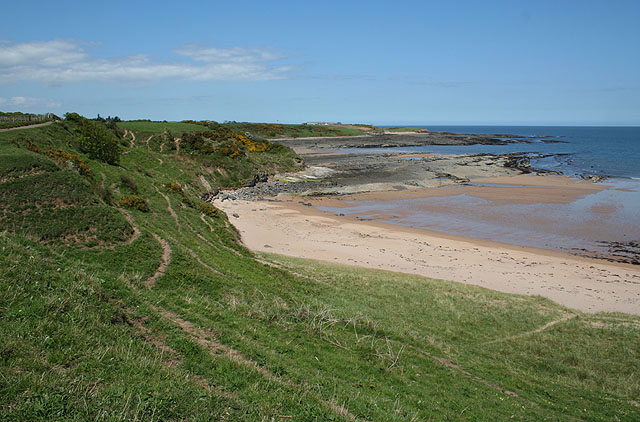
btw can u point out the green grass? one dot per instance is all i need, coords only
(224, 335)
(174, 127)
(402, 129)
(258, 130)
(274, 130)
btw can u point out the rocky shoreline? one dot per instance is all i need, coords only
(332, 171)
(337, 165)
(378, 173)
(389, 140)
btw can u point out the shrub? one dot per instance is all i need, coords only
(173, 187)
(129, 183)
(209, 210)
(188, 202)
(134, 202)
(104, 193)
(33, 147)
(74, 117)
(99, 142)
(63, 157)
(167, 136)
(112, 125)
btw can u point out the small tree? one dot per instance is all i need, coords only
(99, 142)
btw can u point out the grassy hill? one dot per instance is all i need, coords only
(277, 130)
(115, 308)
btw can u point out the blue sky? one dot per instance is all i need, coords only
(411, 62)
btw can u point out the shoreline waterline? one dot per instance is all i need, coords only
(289, 226)
(545, 212)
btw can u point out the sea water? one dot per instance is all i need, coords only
(613, 152)
(606, 151)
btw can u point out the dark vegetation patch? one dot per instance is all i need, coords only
(209, 210)
(96, 139)
(134, 202)
(128, 183)
(173, 187)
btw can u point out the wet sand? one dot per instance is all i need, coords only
(293, 226)
(550, 212)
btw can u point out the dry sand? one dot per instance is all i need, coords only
(293, 229)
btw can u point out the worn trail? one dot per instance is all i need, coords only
(164, 262)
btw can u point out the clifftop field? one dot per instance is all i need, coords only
(124, 296)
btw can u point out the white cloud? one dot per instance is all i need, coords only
(231, 55)
(29, 102)
(62, 61)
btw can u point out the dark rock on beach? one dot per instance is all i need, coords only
(399, 140)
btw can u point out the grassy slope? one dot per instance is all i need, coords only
(261, 130)
(402, 129)
(88, 332)
(271, 130)
(155, 127)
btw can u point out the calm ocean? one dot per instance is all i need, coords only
(608, 151)
(589, 223)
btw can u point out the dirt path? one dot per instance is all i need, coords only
(147, 142)
(164, 262)
(221, 243)
(114, 188)
(136, 231)
(127, 216)
(197, 258)
(204, 220)
(206, 339)
(454, 366)
(170, 209)
(176, 141)
(168, 356)
(204, 183)
(26, 127)
(33, 172)
(538, 330)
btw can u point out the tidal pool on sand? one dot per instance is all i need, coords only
(589, 223)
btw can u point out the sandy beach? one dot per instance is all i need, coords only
(452, 217)
(294, 227)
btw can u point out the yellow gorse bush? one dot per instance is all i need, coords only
(62, 157)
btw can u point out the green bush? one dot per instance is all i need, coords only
(62, 157)
(96, 139)
(104, 193)
(134, 202)
(173, 187)
(208, 209)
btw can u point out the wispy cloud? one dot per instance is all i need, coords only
(231, 55)
(29, 102)
(64, 61)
